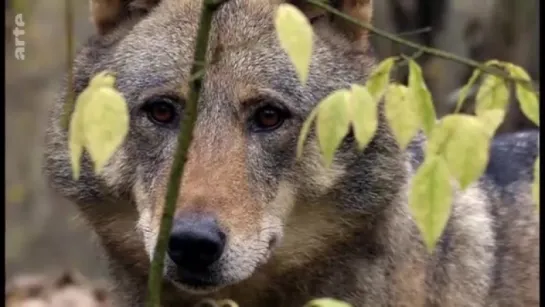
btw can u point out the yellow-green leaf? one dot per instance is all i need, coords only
(327, 302)
(224, 303)
(528, 100)
(15, 193)
(430, 199)
(333, 123)
(304, 132)
(492, 119)
(364, 115)
(535, 184)
(422, 97)
(105, 120)
(401, 114)
(464, 142)
(76, 139)
(379, 78)
(493, 94)
(465, 90)
(295, 35)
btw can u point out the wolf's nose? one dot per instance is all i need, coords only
(195, 242)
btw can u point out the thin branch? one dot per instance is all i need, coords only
(184, 140)
(414, 32)
(433, 51)
(70, 99)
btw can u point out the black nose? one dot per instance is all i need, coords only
(195, 242)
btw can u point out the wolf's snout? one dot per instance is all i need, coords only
(195, 242)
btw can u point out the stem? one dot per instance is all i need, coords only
(429, 50)
(184, 140)
(69, 100)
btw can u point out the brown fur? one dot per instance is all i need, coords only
(296, 230)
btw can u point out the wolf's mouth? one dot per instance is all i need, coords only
(195, 282)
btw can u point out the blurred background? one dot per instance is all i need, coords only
(42, 233)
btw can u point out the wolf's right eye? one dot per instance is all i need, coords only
(161, 110)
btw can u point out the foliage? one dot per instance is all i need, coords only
(99, 123)
(458, 145)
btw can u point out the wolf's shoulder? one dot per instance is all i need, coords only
(512, 157)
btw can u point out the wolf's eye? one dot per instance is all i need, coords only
(161, 110)
(268, 118)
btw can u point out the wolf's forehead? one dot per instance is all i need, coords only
(242, 35)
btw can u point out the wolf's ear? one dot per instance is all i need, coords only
(108, 14)
(361, 10)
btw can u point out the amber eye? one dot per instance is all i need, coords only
(161, 110)
(268, 118)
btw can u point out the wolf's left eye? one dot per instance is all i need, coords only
(268, 118)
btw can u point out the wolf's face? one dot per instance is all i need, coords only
(244, 196)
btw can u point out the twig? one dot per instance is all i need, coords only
(184, 140)
(70, 99)
(436, 52)
(414, 32)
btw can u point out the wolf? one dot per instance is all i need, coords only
(254, 223)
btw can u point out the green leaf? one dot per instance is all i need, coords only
(476, 74)
(401, 114)
(535, 184)
(295, 35)
(224, 303)
(492, 119)
(76, 134)
(464, 142)
(327, 302)
(380, 77)
(76, 139)
(333, 123)
(422, 97)
(364, 110)
(493, 94)
(304, 132)
(105, 120)
(528, 100)
(15, 193)
(430, 199)
(465, 90)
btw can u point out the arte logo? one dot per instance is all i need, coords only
(18, 32)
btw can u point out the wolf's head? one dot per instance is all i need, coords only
(245, 200)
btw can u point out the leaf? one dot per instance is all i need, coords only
(535, 184)
(476, 74)
(327, 302)
(333, 122)
(225, 303)
(76, 138)
(364, 115)
(295, 35)
(15, 193)
(422, 97)
(528, 100)
(401, 114)
(304, 132)
(379, 78)
(105, 120)
(492, 119)
(430, 199)
(465, 90)
(464, 142)
(493, 94)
